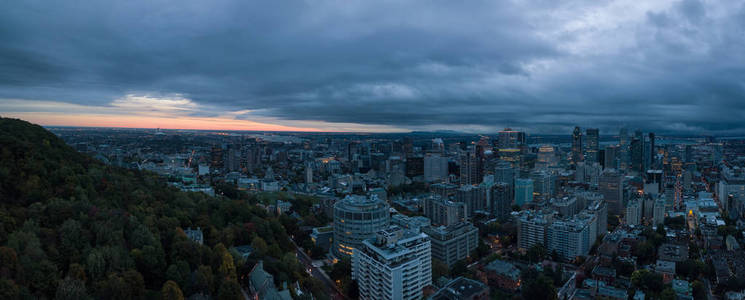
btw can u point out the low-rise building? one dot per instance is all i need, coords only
(462, 288)
(503, 275)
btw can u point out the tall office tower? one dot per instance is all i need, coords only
(623, 149)
(474, 197)
(396, 264)
(407, 145)
(470, 168)
(217, 161)
(532, 227)
(452, 243)
(659, 211)
(523, 191)
(501, 200)
(544, 184)
(570, 238)
(611, 157)
(435, 167)
(438, 146)
(546, 157)
(504, 173)
(600, 210)
(444, 190)
(308, 173)
(633, 213)
(689, 154)
(233, 158)
(652, 151)
(414, 165)
(592, 145)
(357, 218)
(352, 151)
(653, 182)
(510, 139)
(637, 155)
(731, 189)
(577, 146)
(444, 212)
(611, 186)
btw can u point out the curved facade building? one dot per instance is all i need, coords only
(357, 218)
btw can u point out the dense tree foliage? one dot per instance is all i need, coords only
(74, 228)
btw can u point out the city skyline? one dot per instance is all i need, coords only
(670, 67)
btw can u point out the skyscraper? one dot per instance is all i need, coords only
(501, 197)
(611, 186)
(395, 264)
(611, 157)
(592, 146)
(637, 155)
(357, 218)
(435, 167)
(623, 151)
(523, 191)
(510, 139)
(470, 168)
(577, 146)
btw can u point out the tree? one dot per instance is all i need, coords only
(202, 280)
(459, 268)
(647, 281)
(539, 288)
(9, 289)
(229, 290)
(668, 294)
(171, 291)
(439, 269)
(226, 269)
(72, 289)
(259, 245)
(699, 290)
(179, 273)
(536, 253)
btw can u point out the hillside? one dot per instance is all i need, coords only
(74, 228)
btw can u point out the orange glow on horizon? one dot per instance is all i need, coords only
(131, 121)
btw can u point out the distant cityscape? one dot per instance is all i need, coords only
(447, 215)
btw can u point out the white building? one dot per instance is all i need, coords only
(532, 227)
(659, 211)
(570, 238)
(396, 264)
(634, 213)
(435, 167)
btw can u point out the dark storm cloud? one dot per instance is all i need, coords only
(545, 66)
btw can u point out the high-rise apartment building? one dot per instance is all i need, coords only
(474, 197)
(532, 227)
(444, 212)
(452, 243)
(633, 213)
(569, 238)
(396, 264)
(357, 218)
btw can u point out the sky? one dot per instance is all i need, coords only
(542, 66)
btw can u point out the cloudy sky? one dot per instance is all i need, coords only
(478, 66)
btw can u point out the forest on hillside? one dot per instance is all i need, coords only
(74, 228)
